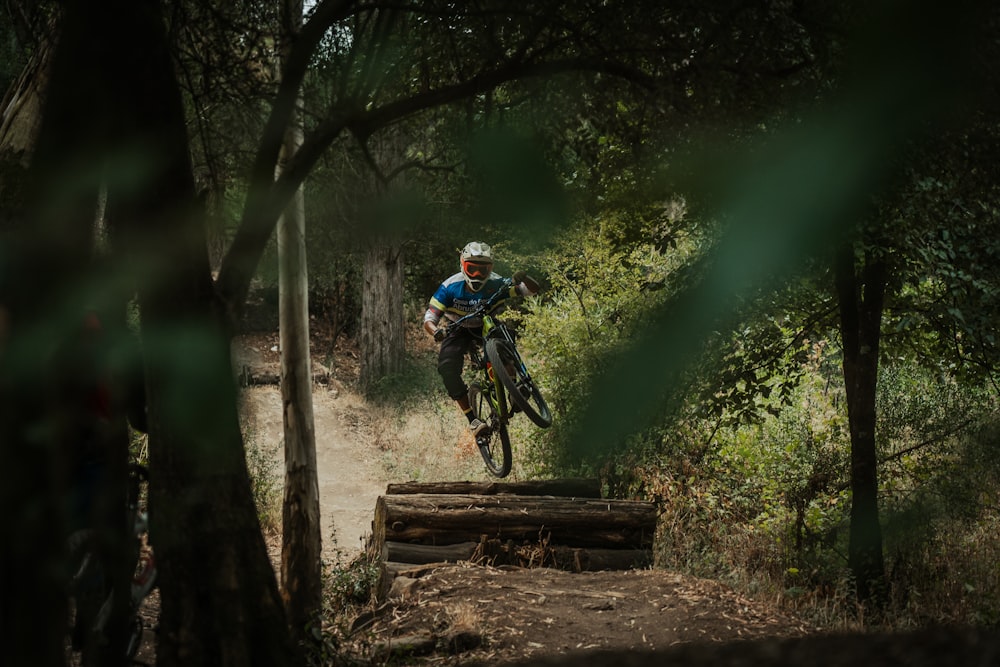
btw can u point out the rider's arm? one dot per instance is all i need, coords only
(431, 318)
(526, 285)
(435, 310)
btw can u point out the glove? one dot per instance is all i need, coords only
(440, 333)
(522, 278)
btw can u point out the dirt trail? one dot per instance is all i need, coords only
(349, 473)
(350, 477)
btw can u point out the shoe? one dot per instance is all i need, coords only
(477, 426)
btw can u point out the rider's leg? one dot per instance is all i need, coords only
(466, 407)
(451, 359)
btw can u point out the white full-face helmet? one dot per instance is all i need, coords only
(477, 264)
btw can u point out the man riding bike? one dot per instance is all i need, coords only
(457, 296)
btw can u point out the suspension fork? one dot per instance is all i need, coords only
(492, 387)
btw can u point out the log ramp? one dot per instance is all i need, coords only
(560, 523)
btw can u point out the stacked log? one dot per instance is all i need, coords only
(446, 519)
(573, 487)
(501, 524)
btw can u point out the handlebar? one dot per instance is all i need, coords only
(487, 305)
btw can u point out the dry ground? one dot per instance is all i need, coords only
(471, 614)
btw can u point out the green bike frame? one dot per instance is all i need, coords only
(497, 396)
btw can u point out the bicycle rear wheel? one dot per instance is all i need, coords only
(494, 443)
(522, 389)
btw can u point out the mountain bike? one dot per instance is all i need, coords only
(91, 590)
(502, 386)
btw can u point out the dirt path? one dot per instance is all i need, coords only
(350, 476)
(349, 472)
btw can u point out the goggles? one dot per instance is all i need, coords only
(477, 270)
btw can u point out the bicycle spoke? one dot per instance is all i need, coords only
(494, 444)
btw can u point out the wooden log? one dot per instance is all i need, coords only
(249, 378)
(454, 518)
(404, 646)
(573, 559)
(419, 554)
(569, 488)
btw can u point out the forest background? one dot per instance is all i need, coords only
(767, 234)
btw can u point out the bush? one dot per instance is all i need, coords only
(266, 483)
(599, 289)
(765, 506)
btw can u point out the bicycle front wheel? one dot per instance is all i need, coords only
(522, 389)
(494, 443)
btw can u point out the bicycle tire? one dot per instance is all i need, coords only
(495, 445)
(523, 392)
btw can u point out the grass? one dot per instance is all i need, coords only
(419, 430)
(949, 577)
(266, 482)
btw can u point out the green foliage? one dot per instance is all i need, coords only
(946, 220)
(765, 505)
(599, 291)
(940, 517)
(266, 484)
(764, 499)
(347, 590)
(754, 370)
(787, 476)
(351, 584)
(936, 440)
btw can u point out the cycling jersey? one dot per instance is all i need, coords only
(454, 300)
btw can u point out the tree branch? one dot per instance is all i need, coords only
(488, 80)
(266, 195)
(957, 428)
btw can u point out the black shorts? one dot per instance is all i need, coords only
(451, 359)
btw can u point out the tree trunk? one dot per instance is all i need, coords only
(861, 301)
(21, 106)
(382, 337)
(113, 88)
(301, 546)
(48, 243)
